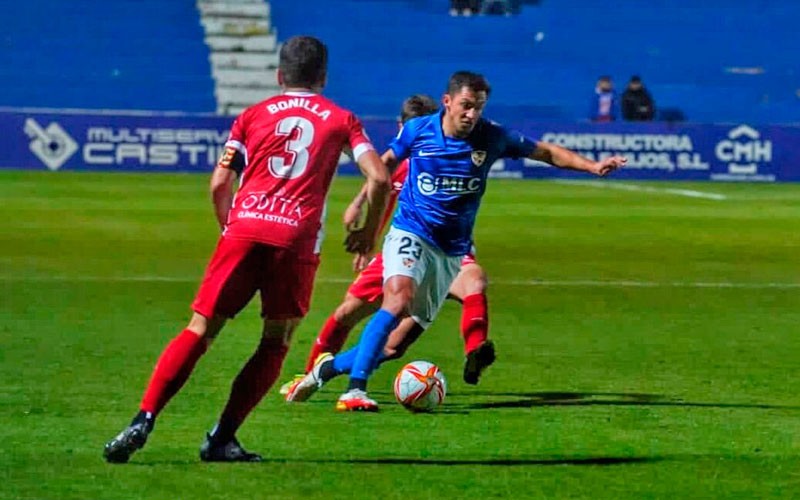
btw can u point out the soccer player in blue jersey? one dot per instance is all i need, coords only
(449, 154)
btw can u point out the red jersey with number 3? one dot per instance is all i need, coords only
(291, 145)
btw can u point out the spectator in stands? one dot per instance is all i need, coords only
(500, 7)
(464, 7)
(637, 103)
(604, 101)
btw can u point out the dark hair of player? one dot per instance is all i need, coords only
(303, 62)
(417, 105)
(473, 81)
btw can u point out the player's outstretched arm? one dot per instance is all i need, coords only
(565, 158)
(221, 187)
(377, 190)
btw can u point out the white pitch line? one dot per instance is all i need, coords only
(646, 284)
(645, 189)
(531, 282)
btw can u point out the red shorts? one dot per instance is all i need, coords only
(239, 268)
(468, 259)
(368, 286)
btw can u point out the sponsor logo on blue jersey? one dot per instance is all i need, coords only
(429, 184)
(447, 177)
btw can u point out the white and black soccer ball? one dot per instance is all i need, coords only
(420, 386)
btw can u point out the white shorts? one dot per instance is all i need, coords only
(407, 254)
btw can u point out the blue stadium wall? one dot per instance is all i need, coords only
(118, 54)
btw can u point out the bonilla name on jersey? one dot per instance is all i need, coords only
(299, 102)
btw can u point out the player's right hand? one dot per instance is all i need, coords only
(608, 165)
(359, 241)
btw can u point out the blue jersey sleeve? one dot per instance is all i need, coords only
(518, 145)
(401, 144)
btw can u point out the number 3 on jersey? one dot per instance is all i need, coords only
(295, 162)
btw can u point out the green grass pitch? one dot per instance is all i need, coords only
(648, 347)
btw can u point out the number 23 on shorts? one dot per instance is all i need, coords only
(403, 254)
(409, 247)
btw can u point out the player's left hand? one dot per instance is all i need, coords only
(608, 165)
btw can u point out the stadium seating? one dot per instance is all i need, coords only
(713, 61)
(124, 54)
(716, 60)
(244, 56)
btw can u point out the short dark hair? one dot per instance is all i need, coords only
(473, 81)
(636, 79)
(303, 62)
(417, 105)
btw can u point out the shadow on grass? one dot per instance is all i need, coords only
(532, 399)
(462, 403)
(503, 462)
(498, 461)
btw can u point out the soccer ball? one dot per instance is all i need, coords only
(420, 386)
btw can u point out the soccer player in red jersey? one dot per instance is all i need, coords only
(365, 293)
(284, 151)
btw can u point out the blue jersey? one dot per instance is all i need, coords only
(447, 178)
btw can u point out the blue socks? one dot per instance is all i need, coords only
(343, 362)
(362, 359)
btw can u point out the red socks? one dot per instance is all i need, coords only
(179, 358)
(172, 370)
(331, 339)
(252, 383)
(474, 321)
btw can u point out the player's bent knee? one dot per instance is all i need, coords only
(470, 281)
(398, 294)
(206, 328)
(397, 305)
(395, 352)
(353, 310)
(475, 286)
(390, 353)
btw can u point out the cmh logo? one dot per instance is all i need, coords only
(743, 150)
(52, 145)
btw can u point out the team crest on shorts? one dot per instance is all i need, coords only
(478, 157)
(409, 263)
